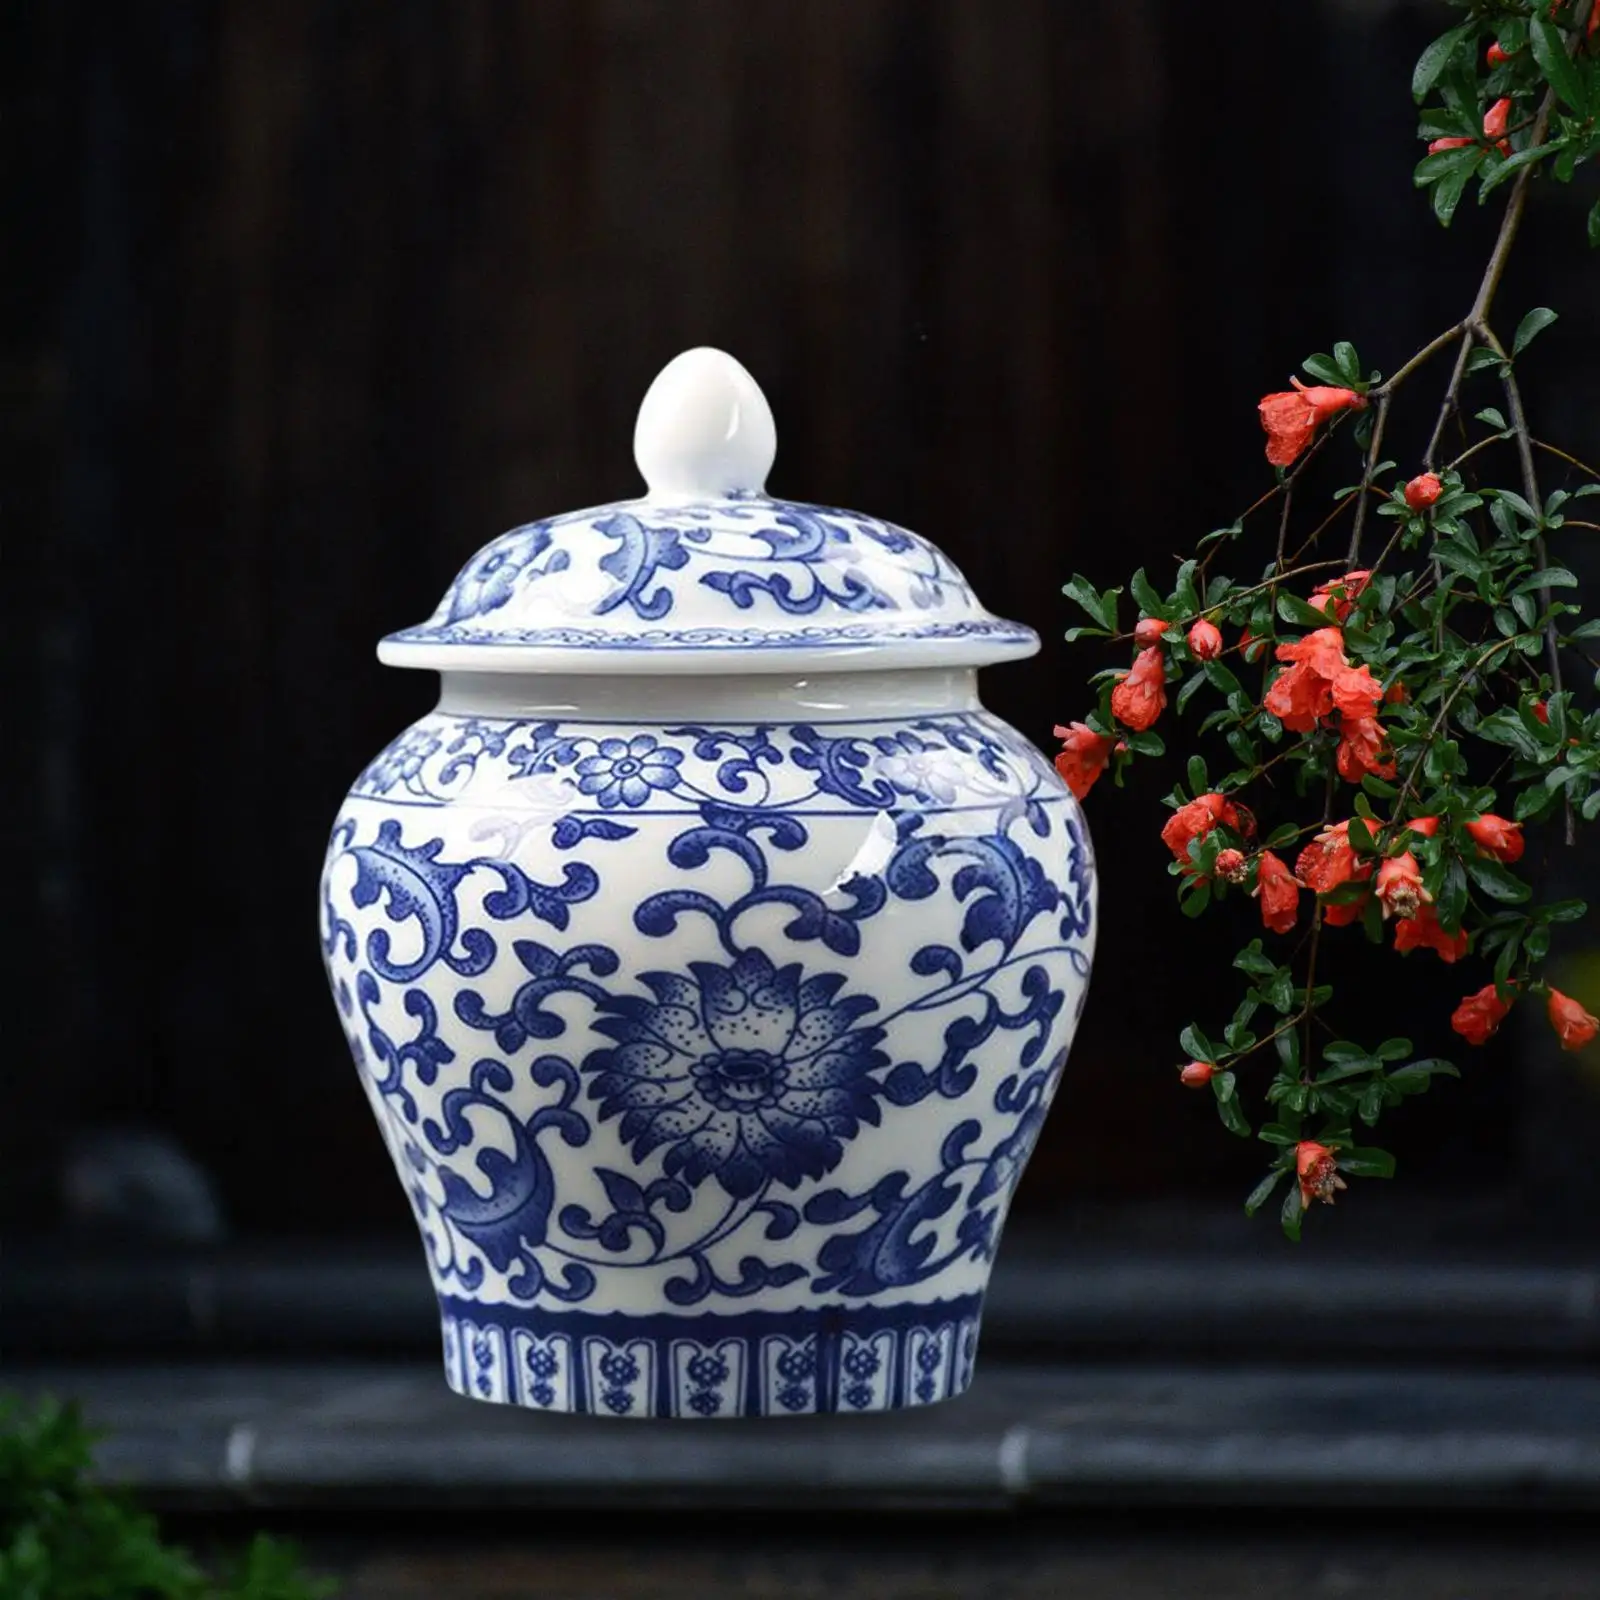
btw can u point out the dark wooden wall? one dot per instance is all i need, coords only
(319, 295)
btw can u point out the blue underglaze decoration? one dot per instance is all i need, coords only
(756, 1024)
(747, 572)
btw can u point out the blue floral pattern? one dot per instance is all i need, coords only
(760, 1015)
(746, 1073)
(624, 771)
(747, 572)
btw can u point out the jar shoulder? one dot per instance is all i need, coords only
(948, 760)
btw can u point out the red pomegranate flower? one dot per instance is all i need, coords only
(1083, 756)
(1400, 886)
(1194, 821)
(1279, 892)
(1424, 932)
(1318, 1171)
(1496, 837)
(1329, 860)
(1362, 749)
(1292, 416)
(1479, 1015)
(1205, 641)
(1141, 695)
(1574, 1026)
(1339, 594)
(1231, 865)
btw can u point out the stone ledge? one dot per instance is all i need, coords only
(299, 1437)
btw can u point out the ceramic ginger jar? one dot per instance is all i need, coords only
(709, 955)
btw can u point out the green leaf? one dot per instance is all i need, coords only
(1359, 1068)
(1513, 164)
(1366, 1163)
(1195, 902)
(1146, 743)
(1393, 1049)
(1233, 1119)
(1550, 51)
(1103, 608)
(1219, 677)
(1197, 775)
(1453, 896)
(1563, 911)
(1491, 418)
(1254, 960)
(1483, 357)
(1325, 368)
(1195, 1045)
(1436, 58)
(1293, 1212)
(1263, 1190)
(1497, 881)
(1415, 1077)
(1349, 365)
(1448, 190)
(1145, 597)
(1278, 991)
(1547, 578)
(1293, 609)
(1370, 1106)
(1277, 1133)
(1594, 226)
(1536, 320)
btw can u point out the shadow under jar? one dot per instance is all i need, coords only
(709, 955)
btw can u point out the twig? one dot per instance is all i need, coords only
(1582, 466)
(1530, 491)
(1409, 787)
(1379, 418)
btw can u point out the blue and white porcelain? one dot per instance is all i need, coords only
(709, 955)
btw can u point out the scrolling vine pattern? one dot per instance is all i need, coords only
(719, 1096)
(709, 564)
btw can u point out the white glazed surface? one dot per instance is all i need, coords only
(839, 841)
(709, 981)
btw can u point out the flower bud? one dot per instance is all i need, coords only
(1148, 630)
(1574, 1026)
(1205, 641)
(1196, 1075)
(1495, 55)
(1448, 144)
(1423, 490)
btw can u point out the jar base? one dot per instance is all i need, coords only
(838, 1359)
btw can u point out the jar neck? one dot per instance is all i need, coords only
(754, 697)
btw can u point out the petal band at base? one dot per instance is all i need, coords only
(816, 1360)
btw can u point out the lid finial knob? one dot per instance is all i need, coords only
(705, 430)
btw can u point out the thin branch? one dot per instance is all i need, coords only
(1573, 461)
(1530, 492)
(1379, 420)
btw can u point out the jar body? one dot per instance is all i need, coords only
(710, 1047)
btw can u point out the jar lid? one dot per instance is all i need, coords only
(706, 567)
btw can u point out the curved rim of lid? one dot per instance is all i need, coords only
(971, 644)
